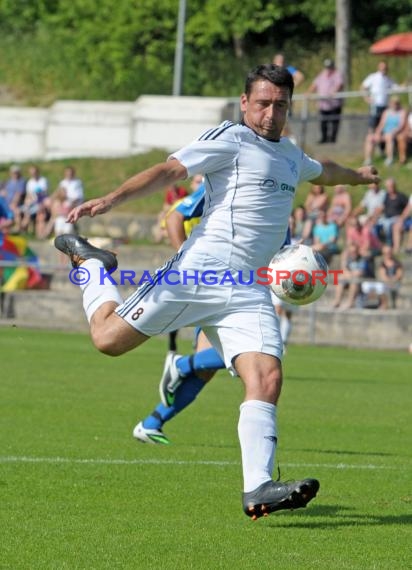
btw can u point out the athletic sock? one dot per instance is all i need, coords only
(208, 359)
(96, 293)
(258, 437)
(184, 395)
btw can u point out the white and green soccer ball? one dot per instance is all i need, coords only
(299, 274)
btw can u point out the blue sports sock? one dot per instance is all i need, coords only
(208, 359)
(184, 396)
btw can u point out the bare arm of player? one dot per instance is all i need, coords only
(138, 186)
(334, 174)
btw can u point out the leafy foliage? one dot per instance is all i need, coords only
(120, 49)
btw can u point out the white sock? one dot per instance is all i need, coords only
(257, 436)
(285, 328)
(96, 293)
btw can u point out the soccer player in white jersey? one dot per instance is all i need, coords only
(251, 174)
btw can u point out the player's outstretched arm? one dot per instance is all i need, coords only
(138, 186)
(334, 174)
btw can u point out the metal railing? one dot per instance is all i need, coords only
(305, 109)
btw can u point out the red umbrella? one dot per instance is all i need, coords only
(396, 44)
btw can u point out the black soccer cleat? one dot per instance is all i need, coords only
(276, 496)
(79, 249)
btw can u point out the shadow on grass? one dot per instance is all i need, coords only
(336, 516)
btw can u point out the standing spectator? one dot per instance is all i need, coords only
(394, 204)
(392, 122)
(14, 192)
(378, 86)
(340, 206)
(298, 77)
(404, 139)
(327, 84)
(36, 196)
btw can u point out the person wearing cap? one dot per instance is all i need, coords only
(327, 84)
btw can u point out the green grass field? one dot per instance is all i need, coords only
(77, 492)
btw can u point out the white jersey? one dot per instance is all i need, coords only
(37, 188)
(250, 187)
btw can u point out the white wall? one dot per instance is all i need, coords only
(70, 129)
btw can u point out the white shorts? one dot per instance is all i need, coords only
(236, 318)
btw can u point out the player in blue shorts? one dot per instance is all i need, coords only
(251, 174)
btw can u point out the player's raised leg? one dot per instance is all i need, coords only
(110, 333)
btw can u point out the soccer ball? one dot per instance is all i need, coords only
(299, 274)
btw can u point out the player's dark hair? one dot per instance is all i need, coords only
(277, 75)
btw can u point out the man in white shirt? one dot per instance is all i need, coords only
(372, 200)
(251, 174)
(378, 86)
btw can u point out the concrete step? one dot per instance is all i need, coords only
(314, 324)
